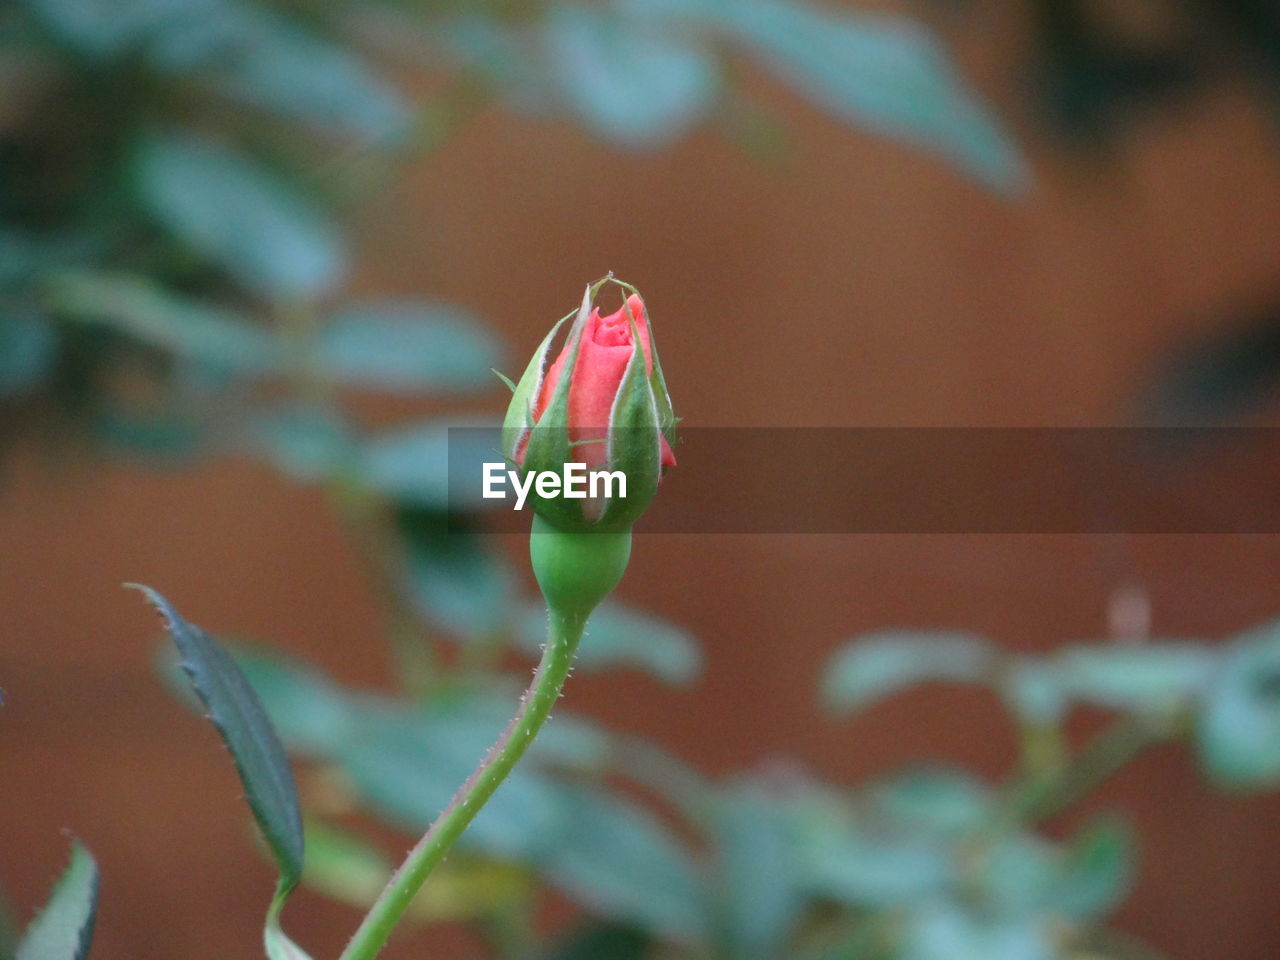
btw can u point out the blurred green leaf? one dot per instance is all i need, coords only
(105, 28)
(411, 464)
(498, 51)
(343, 865)
(1016, 874)
(601, 941)
(862, 864)
(1222, 376)
(256, 751)
(1146, 676)
(760, 878)
(619, 860)
(1238, 734)
(1032, 687)
(880, 71)
(565, 741)
(27, 257)
(455, 579)
(226, 207)
(868, 871)
(876, 666)
(407, 764)
(189, 329)
(617, 636)
(311, 444)
(19, 256)
(64, 928)
(932, 800)
(940, 930)
(1097, 871)
(262, 58)
(666, 86)
(405, 347)
(167, 434)
(27, 350)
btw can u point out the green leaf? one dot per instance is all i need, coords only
(879, 665)
(845, 861)
(1032, 687)
(454, 578)
(243, 725)
(1150, 676)
(940, 930)
(310, 713)
(566, 741)
(759, 878)
(880, 71)
(185, 328)
(343, 865)
(27, 350)
(667, 86)
(405, 347)
(413, 463)
(310, 444)
(105, 29)
(1224, 375)
(867, 873)
(64, 928)
(258, 57)
(618, 859)
(621, 636)
(27, 257)
(601, 941)
(1097, 871)
(256, 752)
(407, 763)
(1238, 731)
(1015, 874)
(227, 208)
(932, 800)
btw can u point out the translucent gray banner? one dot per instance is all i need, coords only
(932, 480)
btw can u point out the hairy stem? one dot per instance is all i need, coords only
(564, 632)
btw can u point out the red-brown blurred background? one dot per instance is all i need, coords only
(850, 282)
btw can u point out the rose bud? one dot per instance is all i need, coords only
(603, 402)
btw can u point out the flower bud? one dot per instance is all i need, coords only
(603, 402)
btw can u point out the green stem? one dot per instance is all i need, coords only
(1097, 763)
(563, 635)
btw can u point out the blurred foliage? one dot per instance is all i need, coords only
(1098, 64)
(929, 862)
(175, 180)
(174, 174)
(1094, 68)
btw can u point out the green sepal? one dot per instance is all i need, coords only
(519, 418)
(633, 442)
(549, 447)
(667, 418)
